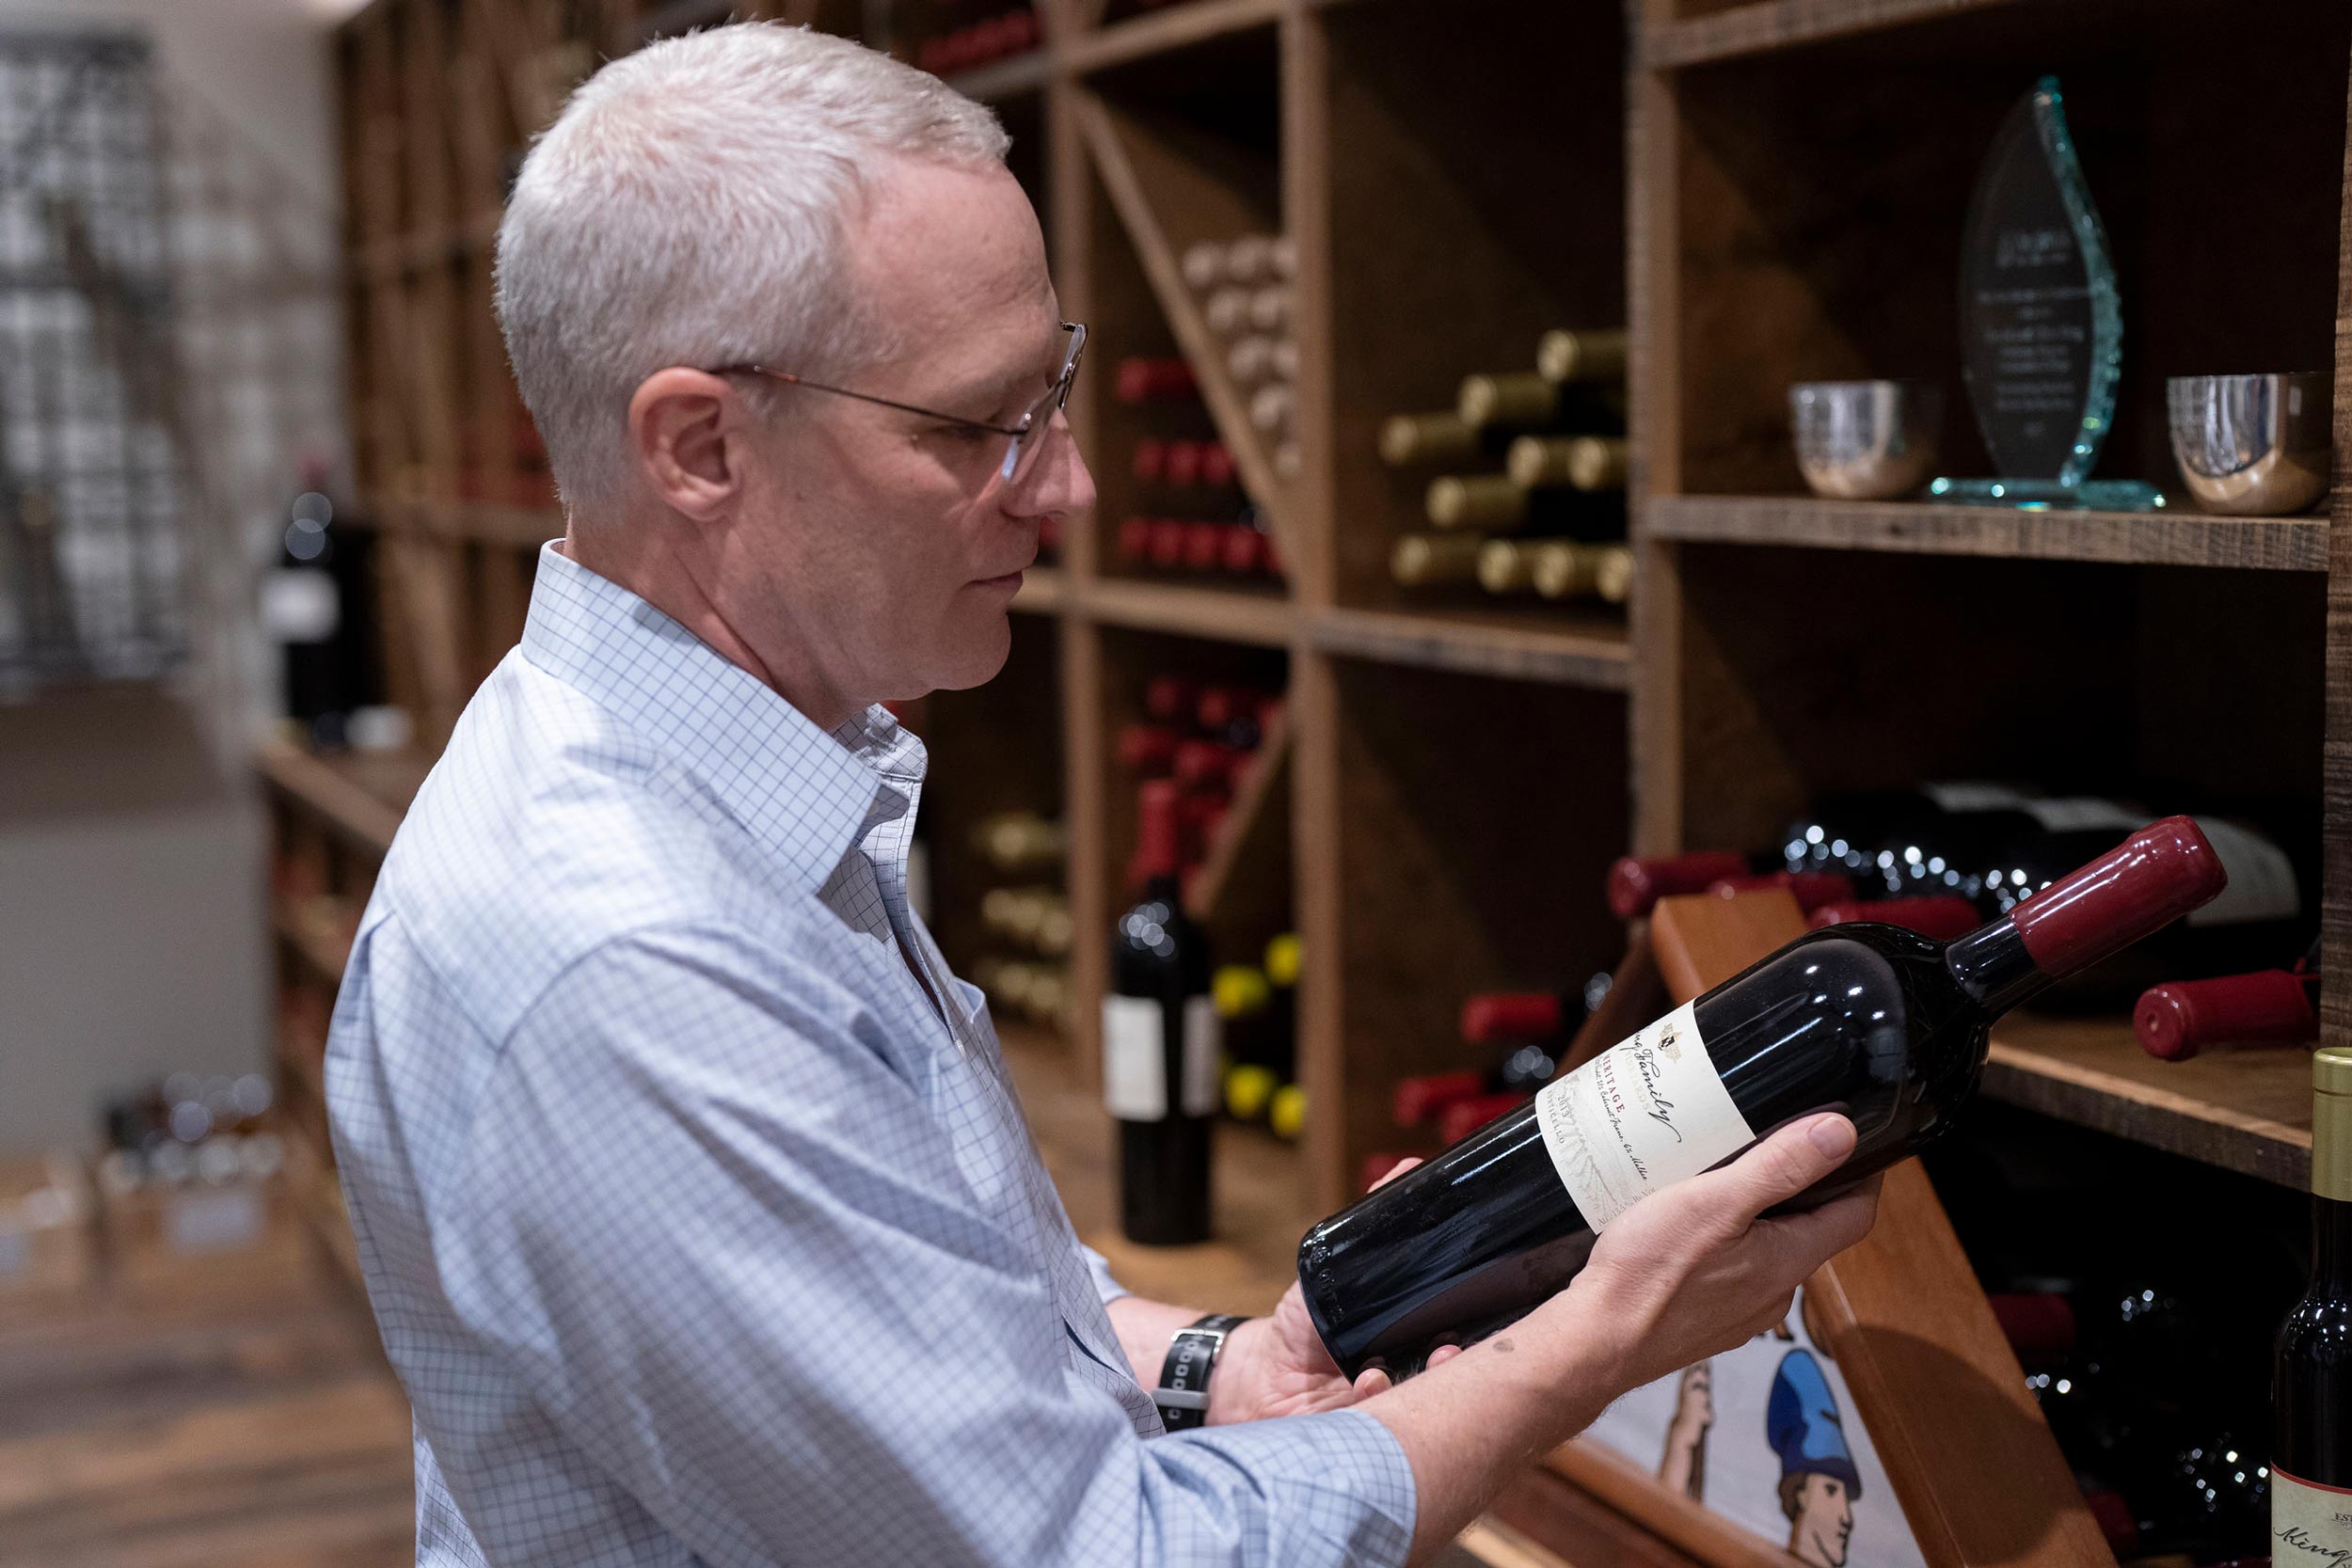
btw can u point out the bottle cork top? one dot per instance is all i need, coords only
(2331, 1070)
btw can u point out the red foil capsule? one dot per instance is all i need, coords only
(1167, 549)
(1181, 468)
(1414, 1100)
(2270, 1006)
(1150, 461)
(1500, 1016)
(1135, 538)
(1204, 544)
(2142, 885)
(1637, 882)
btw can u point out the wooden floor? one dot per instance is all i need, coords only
(245, 1424)
(252, 1422)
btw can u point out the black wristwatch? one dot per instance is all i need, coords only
(1182, 1395)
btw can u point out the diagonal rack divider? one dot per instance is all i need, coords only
(1256, 831)
(1168, 196)
(1980, 1480)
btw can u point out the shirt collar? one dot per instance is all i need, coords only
(803, 792)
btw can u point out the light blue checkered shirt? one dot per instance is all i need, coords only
(695, 1232)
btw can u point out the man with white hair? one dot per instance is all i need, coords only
(695, 1207)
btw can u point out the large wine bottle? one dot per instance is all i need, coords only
(1882, 1024)
(1160, 1043)
(2310, 1461)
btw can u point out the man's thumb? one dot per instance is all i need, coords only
(1789, 1161)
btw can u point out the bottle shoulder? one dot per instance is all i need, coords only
(2318, 1329)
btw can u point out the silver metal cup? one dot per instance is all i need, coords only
(1866, 440)
(2252, 446)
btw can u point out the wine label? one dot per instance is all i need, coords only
(1135, 1066)
(1958, 795)
(2082, 814)
(1648, 1111)
(2311, 1524)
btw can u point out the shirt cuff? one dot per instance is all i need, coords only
(1100, 1267)
(1343, 1486)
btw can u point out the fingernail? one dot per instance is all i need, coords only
(1833, 1136)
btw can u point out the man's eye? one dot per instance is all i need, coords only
(970, 435)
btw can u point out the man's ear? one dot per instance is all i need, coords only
(685, 431)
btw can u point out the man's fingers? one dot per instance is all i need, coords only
(1371, 1382)
(1811, 1238)
(1783, 1166)
(1443, 1354)
(1394, 1171)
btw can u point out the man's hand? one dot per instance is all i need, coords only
(1686, 1273)
(1278, 1365)
(1691, 1271)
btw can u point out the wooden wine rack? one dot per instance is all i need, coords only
(1766, 192)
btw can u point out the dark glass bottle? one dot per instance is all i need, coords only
(2310, 1494)
(1160, 1043)
(1882, 1024)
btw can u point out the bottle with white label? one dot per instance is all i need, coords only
(1160, 1043)
(1882, 1024)
(2311, 1463)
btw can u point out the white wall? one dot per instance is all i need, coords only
(132, 920)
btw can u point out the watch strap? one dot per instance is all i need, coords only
(1182, 1395)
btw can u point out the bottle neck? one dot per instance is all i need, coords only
(2331, 1246)
(2331, 1190)
(1992, 964)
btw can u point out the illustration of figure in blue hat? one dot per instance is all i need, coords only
(1818, 1484)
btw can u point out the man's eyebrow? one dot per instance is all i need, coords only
(990, 388)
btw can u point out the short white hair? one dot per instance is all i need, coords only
(686, 209)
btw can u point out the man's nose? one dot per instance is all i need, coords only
(1059, 483)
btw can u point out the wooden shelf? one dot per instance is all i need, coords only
(1163, 32)
(2246, 1111)
(1481, 643)
(361, 795)
(1010, 77)
(2142, 538)
(1220, 615)
(1777, 25)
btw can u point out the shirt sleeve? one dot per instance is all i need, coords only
(740, 1265)
(1100, 1267)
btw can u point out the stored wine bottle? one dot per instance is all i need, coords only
(1435, 560)
(1409, 440)
(1555, 569)
(2269, 1007)
(1492, 504)
(1160, 1044)
(1016, 842)
(1841, 833)
(1580, 462)
(2310, 1495)
(1882, 1024)
(1591, 355)
(1524, 401)
(1146, 380)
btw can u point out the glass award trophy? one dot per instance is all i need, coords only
(2041, 328)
